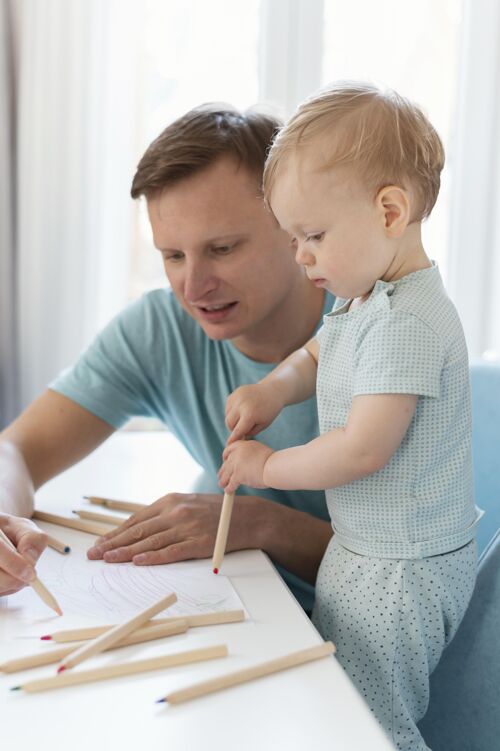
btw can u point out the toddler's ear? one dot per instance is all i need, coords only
(394, 207)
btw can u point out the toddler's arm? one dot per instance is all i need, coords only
(375, 428)
(250, 409)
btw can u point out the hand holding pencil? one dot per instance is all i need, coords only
(249, 409)
(27, 574)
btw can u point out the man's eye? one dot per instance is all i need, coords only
(315, 238)
(173, 257)
(223, 249)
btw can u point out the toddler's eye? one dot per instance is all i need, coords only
(316, 237)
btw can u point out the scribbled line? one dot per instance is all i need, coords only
(123, 588)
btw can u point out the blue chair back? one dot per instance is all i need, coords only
(464, 711)
(485, 385)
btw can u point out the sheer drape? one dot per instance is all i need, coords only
(8, 351)
(66, 160)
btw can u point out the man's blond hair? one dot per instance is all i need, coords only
(386, 138)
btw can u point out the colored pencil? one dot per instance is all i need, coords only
(50, 656)
(222, 531)
(96, 517)
(40, 588)
(126, 668)
(112, 503)
(193, 621)
(56, 544)
(250, 674)
(115, 634)
(92, 528)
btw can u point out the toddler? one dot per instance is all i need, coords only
(351, 177)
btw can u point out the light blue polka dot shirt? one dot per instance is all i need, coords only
(405, 339)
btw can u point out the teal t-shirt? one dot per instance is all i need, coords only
(154, 360)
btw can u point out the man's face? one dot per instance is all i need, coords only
(229, 264)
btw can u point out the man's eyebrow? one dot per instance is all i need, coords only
(225, 238)
(210, 241)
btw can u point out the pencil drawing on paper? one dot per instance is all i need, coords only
(111, 591)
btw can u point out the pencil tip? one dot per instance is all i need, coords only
(160, 701)
(87, 497)
(15, 688)
(61, 668)
(59, 611)
(47, 637)
(67, 549)
(216, 570)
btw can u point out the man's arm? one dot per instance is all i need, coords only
(50, 435)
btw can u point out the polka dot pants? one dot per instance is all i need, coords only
(390, 621)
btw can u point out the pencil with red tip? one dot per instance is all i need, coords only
(222, 531)
(115, 634)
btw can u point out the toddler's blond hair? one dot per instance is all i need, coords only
(386, 138)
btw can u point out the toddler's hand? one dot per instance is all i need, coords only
(250, 409)
(243, 464)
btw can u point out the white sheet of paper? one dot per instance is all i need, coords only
(95, 591)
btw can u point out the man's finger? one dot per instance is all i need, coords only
(180, 551)
(155, 541)
(129, 536)
(14, 565)
(31, 545)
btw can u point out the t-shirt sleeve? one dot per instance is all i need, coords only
(398, 353)
(114, 378)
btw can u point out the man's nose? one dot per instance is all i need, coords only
(198, 282)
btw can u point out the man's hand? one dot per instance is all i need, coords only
(244, 463)
(17, 568)
(250, 409)
(178, 527)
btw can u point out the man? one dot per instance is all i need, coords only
(238, 304)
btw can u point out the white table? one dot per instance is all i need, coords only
(312, 707)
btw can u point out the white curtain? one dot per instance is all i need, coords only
(76, 96)
(8, 351)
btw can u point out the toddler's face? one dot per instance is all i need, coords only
(336, 226)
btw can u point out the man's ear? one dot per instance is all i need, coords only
(393, 204)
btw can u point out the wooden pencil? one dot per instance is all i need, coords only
(56, 544)
(222, 531)
(112, 503)
(193, 621)
(249, 674)
(126, 668)
(40, 588)
(92, 528)
(50, 656)
(96, 517)
(115, 634)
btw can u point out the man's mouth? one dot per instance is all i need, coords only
(210, 308)
(216, 312)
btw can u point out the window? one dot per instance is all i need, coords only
(190, 52)
(410, 47)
